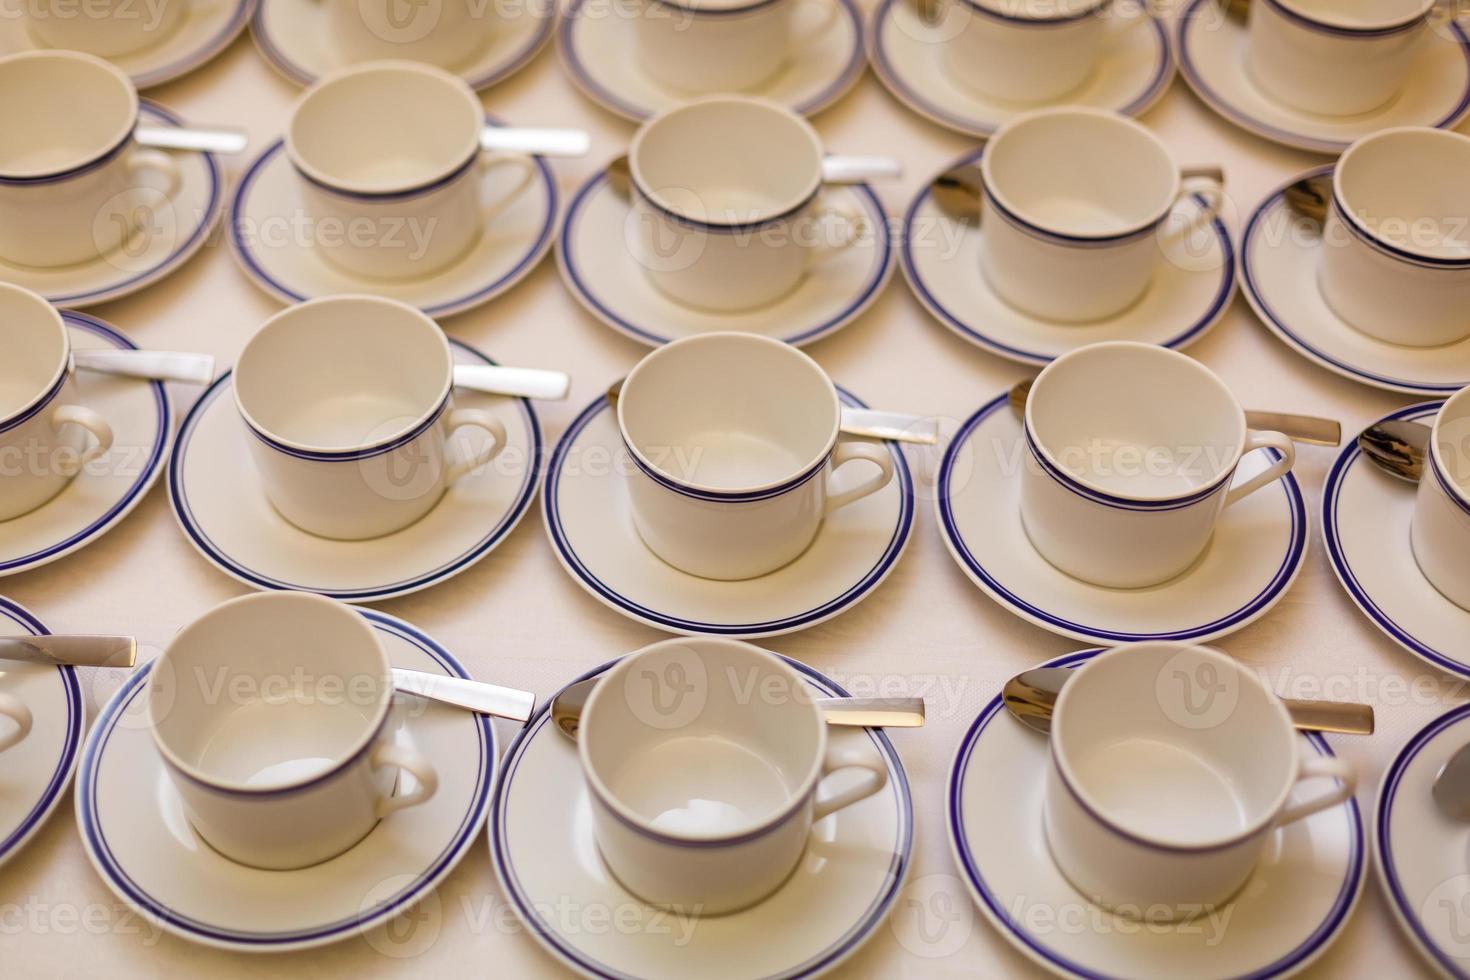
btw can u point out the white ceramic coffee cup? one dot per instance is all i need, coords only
(273, 714)
(735, 442)
(72, 181)
(1334, 57)
(106, 28)
(1030, 51)
(728, 206)
(21, 721)
(446, 33)
(703, 758)
(1441, 529)
(391, 172)
(349, 403)
(1396, 255)
(1131, 458)
(42, 425)
(1170, 768)
(1077, 205)
(700, 47)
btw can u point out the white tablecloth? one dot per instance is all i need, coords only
(517, 618)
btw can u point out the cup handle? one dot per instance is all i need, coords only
(1264, 440)
(850, 757)
(849, 452)
(1206, 182)
(156, 161)
(854, 220)
(92, 422)
(474, 418)
(831, 10)
(411, 762)
(12, 708)
(527, 167)
(1321, 767)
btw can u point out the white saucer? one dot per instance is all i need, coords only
(540, 840)
(137, 837)
(294, 36)
(35, 774)
(217, 498)
(605, 277)
(595, 46)
(1211, 51)
(941, 260)
(289, 268)
(1279, 259)
(142, 420)
(1289, 912)
(1135, 71)
(585, 505)
(208, 28)
(1248, 567)
(1366, 516)
(1421, 852)
(175, 229)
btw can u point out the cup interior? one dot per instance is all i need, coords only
(385, 127)
(1041, 10)
(1359, 14)
(1173, 744)
(35, 344)
(1136, 421)
(729, 412)
(1408, 188)
(343, 373)
(702, 739)
(1080, 173)
(61, 110)
(1451, 442)
(727, 161)
(269, 691)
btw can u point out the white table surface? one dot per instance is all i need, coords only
(517, 618)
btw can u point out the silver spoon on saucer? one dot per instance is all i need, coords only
(863, 422)
(1397, 447)
(1451, 789)
(1032, 696)
(213, 139)
(512, 381)
(537, 141)
(1306, 429)
(56, 650)
(835, 170)
(148, 365)
(476, 696)
(566, 710)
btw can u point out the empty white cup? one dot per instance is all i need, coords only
(728, 206)
(106, 28)
(1131, 457)
(1396, 256)
(703, 758)
(349, 402)
(72, 180)
(1077, 204)
(1170, 768)
(391, 171)
(1441, 529)
(1334, 57)
(446, 33)
(273, 714)
(735, 440)
(43, 427)
(701, 47)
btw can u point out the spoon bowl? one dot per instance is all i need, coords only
(1397, 447)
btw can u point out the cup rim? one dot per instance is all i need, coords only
(671, 210)
(59, 376)
(696, 10)
(366, 190)
(1039, 228)
(402, 435)
(1457, 493)
(344, 759)
(771, 488)
(1361, 231)
(1024, 20)
(1089, 804)
(638, 824)
(114, 146)
(1055, 468)
(1330, 25)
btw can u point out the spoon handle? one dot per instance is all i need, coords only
(151, 365)
(873, 712)
(892, 426)
(73, 651)
(541, 142)
(515, 382)
(212, 140)
(1298, 428)
(1341, 717)
(855, 170)
(485, 699)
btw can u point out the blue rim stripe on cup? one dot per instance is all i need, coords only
(749, 7)
(1456, 495)
(102, 159)
(1093, 9)
(1074, 485)
(1368, 237)
(354, 455)
(388, 197)
(1061, 238)
(1357, 33)
(89, 807)
(1383, 838)
(992, 904)
(71, 741)
(727, 497)
(817, 964)
(725, 228)
(36, 407)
